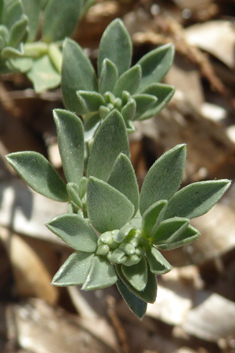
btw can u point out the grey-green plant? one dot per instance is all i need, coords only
(31, 37)
(118, 233)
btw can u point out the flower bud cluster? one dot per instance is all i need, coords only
(125, 246)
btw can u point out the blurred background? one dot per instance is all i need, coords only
(195, 306)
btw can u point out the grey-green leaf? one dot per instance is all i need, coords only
(169, 230)
(136, 305)
(71, 143)
(116, 46)
(74, 271)
(152, 217)
(155, 65)
(123, 179)
(108, 76)
(73, 191)
(18, 32)
(32, 10)
(196, 199)
(157, 262)
(75, 231)
(39, 174)
(101, 275)
(137, 274)
(129, 81)
(93, 100)
(77, 74)
(108, 209)
(60, 19)
(144, 102)
(110, 140)
(187, 236)
(12, 12)
(163, 178)
(128, 111)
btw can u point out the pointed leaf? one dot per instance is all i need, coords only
(90, 126)
(137, 274)
(183, 238)
(116, 46)
(92, 100)
(74, 271)
(32, 10)
(71, 144)
(150, 291)
(17, 32)
(157, 262)
(101, 274)
(75, 231)
(60, 19)
(196, 199)
(108, 209)
(110, 140)
(108, 76)
(136, 305)
(12, 12)
(163, 93)
(163, 178)
(39, 174)
(77, 74)
(169, 230)
(152, 217)
(144, 102)
(129, 81)
(73, 191)
(155, 65)
(123, 179)
(128, 111)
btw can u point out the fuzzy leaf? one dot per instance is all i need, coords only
(144, 102)
(163, 92)
(129, 81)
(77, 74)
(116, 46)
(43, 74)
(90, 126)
(155, 65)
(39, 174)
(163, 178)
(196, 199)
(108, 76)
(60, 19)
(187, 236)
(73, 191)
(169, 230)
(152, 217)
(157, 262)
(32, 10)
(75, 231)
(108, 209)
(74, 271)
(101, 274)
(123, 179)
(150, 291)
(20, 64)
(136, 305)
(92, 100)
(17, 32)
(110, 140)
(128, 111)
(71, 144)
(12, 12)
(137, 274)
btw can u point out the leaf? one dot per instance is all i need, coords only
(155, 65)
(71, 144)
(143, 103)
(137, 274)
(136, 305)
(163, 93)
(73, 191)
(39, 174)
(129, 81)
(32, 10)
(74, 271)
(163, 178)
(43, 75)
(196, 199)
(150, 291)
(123, 179)
(60, 19)
(157, 262)
(108, 76)
(90, 126)
(187, 236)
(75, 231)
(17, 32)
(92, 100)
(152, 217)
(116, 46)
(101, 274)
(110, 140)
(77, 74)
(12, 12)
(20, 64)
(108, 209)
(128, 111)
(169, 230)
